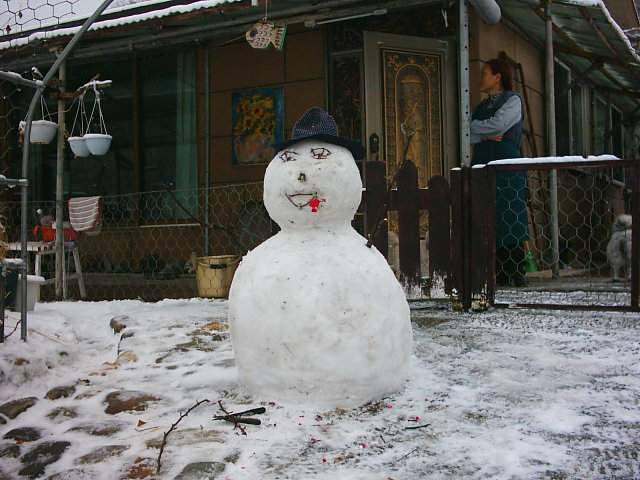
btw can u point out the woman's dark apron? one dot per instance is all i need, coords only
(511, 187)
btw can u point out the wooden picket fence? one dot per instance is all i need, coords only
(461, 246)
(410, 202)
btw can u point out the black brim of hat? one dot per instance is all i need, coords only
(354, 147)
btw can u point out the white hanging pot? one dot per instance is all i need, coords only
(97, 143)
(78, 146)
(43, 131)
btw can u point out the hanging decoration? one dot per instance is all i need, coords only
(265, 33)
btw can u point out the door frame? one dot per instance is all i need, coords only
(374, 118)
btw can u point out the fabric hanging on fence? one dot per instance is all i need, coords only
(84, 213)
(186, 160)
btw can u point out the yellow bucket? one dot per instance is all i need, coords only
(215, 274)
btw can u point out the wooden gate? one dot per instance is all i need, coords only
(405, 197)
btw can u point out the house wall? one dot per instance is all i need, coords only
(485, 43)
(299, 68)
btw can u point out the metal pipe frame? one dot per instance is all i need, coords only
(24, 195)
(18, 79)
(599, 61)
(13, 182)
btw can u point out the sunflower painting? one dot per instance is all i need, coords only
(258, 123)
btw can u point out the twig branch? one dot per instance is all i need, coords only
(405, 455)
(173, 427)
(417, 427)
(238, 418)
(14, 329)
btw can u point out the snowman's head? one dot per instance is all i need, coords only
(312, 183)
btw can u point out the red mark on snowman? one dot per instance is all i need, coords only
(314, 203)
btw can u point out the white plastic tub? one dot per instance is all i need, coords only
(33, 292)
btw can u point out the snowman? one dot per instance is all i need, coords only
(317, 317)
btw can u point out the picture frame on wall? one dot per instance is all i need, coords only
(258, 123)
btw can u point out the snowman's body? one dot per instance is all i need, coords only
(317, 316)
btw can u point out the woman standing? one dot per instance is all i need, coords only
(496, 133)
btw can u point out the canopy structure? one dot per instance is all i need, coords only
(587, 39)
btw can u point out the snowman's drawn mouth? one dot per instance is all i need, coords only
(301, 200)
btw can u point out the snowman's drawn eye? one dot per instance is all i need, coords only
(320, 153)
(288, 156)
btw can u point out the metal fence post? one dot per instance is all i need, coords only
(551, 138)
(62, 74)
(463, 81)
(635, 239)
(491, 235)
(467, 293)
(2, 301)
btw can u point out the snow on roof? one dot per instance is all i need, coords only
(126, 19)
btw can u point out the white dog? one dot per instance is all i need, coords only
(619, 247)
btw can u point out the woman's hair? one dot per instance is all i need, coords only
(499, 66)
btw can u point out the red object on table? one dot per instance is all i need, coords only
(48, 234)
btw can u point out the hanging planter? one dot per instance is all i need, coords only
(78, 143)
(98, 143)
(78, 146)
(42, 131)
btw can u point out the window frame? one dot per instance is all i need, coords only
(567, 88)
(595, 98)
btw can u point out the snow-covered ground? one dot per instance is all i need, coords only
(503, 394)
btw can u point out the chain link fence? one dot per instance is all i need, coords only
(17, 16)
(149, 241)
(590, 263)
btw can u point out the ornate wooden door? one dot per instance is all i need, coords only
(407, 88)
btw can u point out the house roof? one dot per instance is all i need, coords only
(154, 23)
(135, 11)
(587, 38)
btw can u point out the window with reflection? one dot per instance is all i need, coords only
(168, 135)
